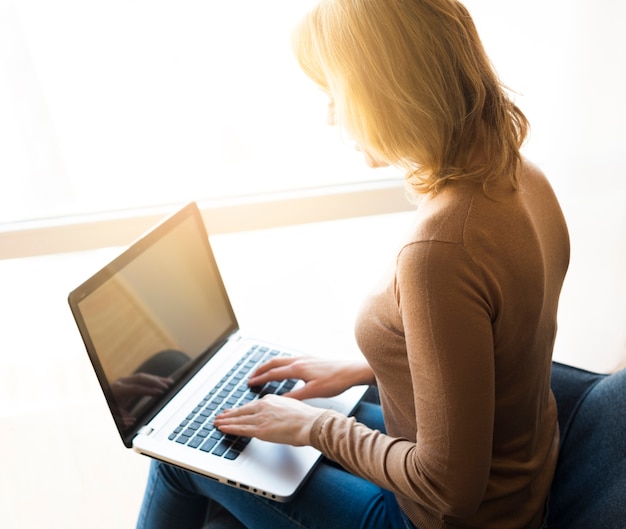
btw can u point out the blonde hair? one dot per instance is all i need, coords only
(412, 84)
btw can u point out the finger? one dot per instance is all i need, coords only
(278, 373)
(272, 364)
(237, 424)
(246, 409)
(305, 392)
(242, 430)
(310, 390)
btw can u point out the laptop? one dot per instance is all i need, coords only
(169, 355)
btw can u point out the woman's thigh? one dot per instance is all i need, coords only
(330, 498)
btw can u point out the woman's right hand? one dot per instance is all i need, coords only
(322, 377)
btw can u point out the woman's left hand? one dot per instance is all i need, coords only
(272, 418)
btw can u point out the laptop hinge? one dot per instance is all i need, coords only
(145, 430)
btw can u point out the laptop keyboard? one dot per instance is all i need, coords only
(197, 430)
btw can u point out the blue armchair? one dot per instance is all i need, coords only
(589, 488)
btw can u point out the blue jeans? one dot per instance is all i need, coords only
(330, 498)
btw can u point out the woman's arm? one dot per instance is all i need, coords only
(442, 460)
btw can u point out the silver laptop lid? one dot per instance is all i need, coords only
(152, 317)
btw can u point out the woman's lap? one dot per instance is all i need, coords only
(331, 497)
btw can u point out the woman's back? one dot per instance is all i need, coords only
(467, 326)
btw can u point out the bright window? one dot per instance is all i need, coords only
(125, 103)
(120, 104)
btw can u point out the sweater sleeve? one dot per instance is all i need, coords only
(446, 318)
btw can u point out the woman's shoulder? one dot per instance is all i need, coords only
(531, 172)
(442, 217)
(462, 208)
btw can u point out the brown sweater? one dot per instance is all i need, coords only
(460, 339)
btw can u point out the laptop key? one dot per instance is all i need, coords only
(195, 442)
(269, 389)
(188, 433)
(208, 445)
(203, 433)
(287, 386)
(221, 448)
(240, 444)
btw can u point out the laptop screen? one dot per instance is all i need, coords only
(152, 316)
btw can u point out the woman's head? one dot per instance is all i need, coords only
(412, 84)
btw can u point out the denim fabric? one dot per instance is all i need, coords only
(589, 488)
(330, 498)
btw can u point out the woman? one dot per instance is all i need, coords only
(459, 338)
